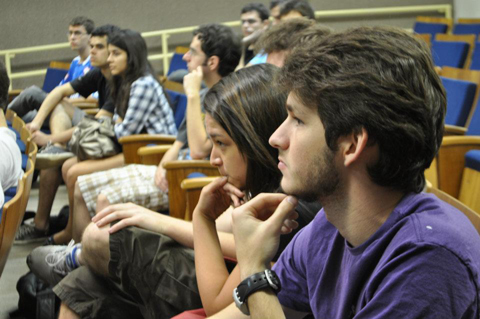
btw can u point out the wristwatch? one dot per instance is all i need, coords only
(261, 280)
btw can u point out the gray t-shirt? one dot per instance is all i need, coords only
(182, 130)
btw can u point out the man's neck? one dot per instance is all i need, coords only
(360, 209)
(106, 72)
(84, 53)
(211, 79)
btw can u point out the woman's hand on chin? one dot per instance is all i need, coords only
(216, 197)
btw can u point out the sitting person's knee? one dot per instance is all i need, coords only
(102, 202)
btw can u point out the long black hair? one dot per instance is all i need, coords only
(137, 66)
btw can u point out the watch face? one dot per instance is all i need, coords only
(273, 280)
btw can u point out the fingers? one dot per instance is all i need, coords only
(229, 188)
(263, 205)
(283, 212)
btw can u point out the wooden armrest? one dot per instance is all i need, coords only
(152, 155)
(193, 188)
(149, 138)
(454, 130)
(196, 183)
(460, 140)
(188, 164)
(132, 143)
(176, 172)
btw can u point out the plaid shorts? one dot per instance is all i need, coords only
(131, 183)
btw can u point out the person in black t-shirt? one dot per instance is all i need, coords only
(62, 117)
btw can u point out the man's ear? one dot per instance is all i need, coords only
(353, 145)
(213, 63)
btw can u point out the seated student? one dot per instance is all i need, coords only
(254, 20)
(30, 99)
(64, 115)
(140, 106)
(365, 119)
(244, 104)
(295, 9)
(214, 53)
(11, 160)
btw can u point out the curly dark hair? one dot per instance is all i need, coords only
(221, 41)
(380, 79)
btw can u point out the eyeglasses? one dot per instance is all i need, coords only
(75, 33)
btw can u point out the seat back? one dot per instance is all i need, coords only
(179, 106)
(430, 28)
(53, 78)
(177, 63)
(427, 37)
(466, 75)
(460, 97)
(467, 28)
(474, 125)
(468, 38)
(452, 54)
(475, 61)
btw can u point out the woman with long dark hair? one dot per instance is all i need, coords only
(141, 106)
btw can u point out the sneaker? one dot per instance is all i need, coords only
(27, 234)
(52, 263)
(51, 156)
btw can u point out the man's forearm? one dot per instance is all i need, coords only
(197, 136)
(48, 105)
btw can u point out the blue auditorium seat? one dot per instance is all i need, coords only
(460, 98)
(179, 105)
(472, 160)
(467, 28)
(476, 57)
(431, 28)
(449, 53)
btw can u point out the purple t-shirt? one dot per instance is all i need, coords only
(423, 262)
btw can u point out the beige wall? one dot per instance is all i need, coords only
(27, 23)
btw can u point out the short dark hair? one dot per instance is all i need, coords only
(249, 109)
(275, 3)
(88, 24)
(288, 34)
(105, 30)
(380, 79)
(4, 85)
(220, 40)
(302, 6)
(257, 7)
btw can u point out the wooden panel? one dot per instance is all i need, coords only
(431, 173)
(59, 65)
(470, 189)
(451, 161)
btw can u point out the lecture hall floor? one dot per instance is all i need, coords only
(16, 265)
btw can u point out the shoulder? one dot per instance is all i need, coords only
(145, 81)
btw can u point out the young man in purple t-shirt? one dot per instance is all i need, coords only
(365, 119)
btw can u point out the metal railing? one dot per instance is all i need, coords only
(444, 9)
